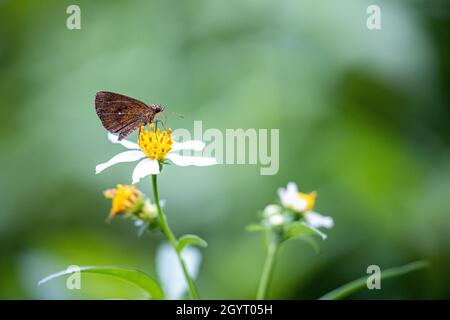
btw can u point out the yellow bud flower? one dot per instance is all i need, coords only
(123, 199)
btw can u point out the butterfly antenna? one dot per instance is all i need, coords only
(179, 115)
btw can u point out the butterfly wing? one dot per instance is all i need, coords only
(119, 113)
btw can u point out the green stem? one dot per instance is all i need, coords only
(361, 283)
(268, 267)
(173, 241)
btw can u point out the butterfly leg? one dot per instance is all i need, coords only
(162, 124)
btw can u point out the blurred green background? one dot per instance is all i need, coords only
(363, 118)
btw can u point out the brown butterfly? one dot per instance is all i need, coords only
(121, 114)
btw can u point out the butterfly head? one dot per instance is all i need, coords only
(157, 108)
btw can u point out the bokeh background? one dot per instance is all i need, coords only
(363, 118)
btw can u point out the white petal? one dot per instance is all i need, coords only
(317, 220)
(138, 223)
(184, 161)
(289, 198)
(145, 168)
(126, 156)
(282, 195)
(169, 270)
(276, 219)
(195, 145)
(288, 195)
(127, 144)
(271, 210)
(297, 203)
(292, 187)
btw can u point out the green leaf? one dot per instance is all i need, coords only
(310, 240)
(136, 277)
(300, 229)
(361, 283)
(190, 239)
(254, 227)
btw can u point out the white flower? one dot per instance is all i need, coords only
(292, 199)
(152, 148)
(272, 209)
(276, 220)
(303, 203)
(317, 220)
(273, 215)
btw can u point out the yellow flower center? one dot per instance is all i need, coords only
(310, 199)
(123, 198)
(155, 144)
